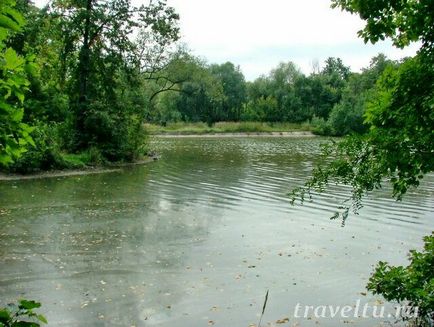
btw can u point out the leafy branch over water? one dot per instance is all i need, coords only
(21, 315)
(399, 146)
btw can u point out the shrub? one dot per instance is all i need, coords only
(21, 314)
(346, 118)
(320, 126)
(45, 154)
(413, 284)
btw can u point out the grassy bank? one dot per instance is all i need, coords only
(182, 128)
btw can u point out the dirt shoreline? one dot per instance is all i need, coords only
(74, 172)
(118, 167)
(243, 134)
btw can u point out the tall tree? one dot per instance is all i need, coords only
(101, 56)
(400, 143)
(234, 88)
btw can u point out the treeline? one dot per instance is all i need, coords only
(77, 78)
(80, 78)
(333, 98)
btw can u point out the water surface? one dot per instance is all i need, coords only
(198, 237)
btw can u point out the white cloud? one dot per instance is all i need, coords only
(257, 35)
(249, 24)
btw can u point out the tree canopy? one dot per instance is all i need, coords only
(399, 145)
(14, 71)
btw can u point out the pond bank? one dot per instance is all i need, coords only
(74, 172)
(255, 134)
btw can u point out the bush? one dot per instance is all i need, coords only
(45, 154)
(118, 134)
(21, 314)
(413, 284)
(346, 118)
(320, 126)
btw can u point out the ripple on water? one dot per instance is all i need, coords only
(208, 224)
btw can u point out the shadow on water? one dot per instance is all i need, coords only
(196, 238)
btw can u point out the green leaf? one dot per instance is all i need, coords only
(3, 34)
(42, 319)
(9, 23)
(5, 108)
(25, 324)
(29, 305)
(5, 315)
(13, 61)
(18, 115)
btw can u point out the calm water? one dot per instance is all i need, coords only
(197, 238)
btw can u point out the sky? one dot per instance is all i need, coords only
(258, 35)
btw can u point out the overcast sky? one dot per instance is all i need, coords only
(257, 35)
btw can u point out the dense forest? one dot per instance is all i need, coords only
(79, 79)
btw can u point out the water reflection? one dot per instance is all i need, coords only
(197, 237)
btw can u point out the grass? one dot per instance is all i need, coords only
(90, 157)
(183, 128)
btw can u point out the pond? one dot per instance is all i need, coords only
(198, 237)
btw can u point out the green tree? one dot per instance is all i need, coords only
(348, 115)
(276, 96)
(333, 79)
(14, 69)
(412, 285)
(402, 21)
(103, 60)
(234, 89)
(400, 144)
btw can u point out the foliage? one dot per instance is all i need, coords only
(298, 97)
(225, 127)
(108, 69)
(402, 21)
(412, 285)
(46, 152)
(347, 116)
(14, 134)
(399, 145)
(21, 314)
(201, 95)
(234, 89)
(321, 126)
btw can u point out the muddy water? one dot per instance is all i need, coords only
(198, 237)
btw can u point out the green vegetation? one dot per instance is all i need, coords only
(21, 315)
(14, 69)
(81, 80)
(76, 82)
(412, 285)
(399, 143)
(226, 127)
(332, 100)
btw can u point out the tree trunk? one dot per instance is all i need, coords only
(84, 59)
